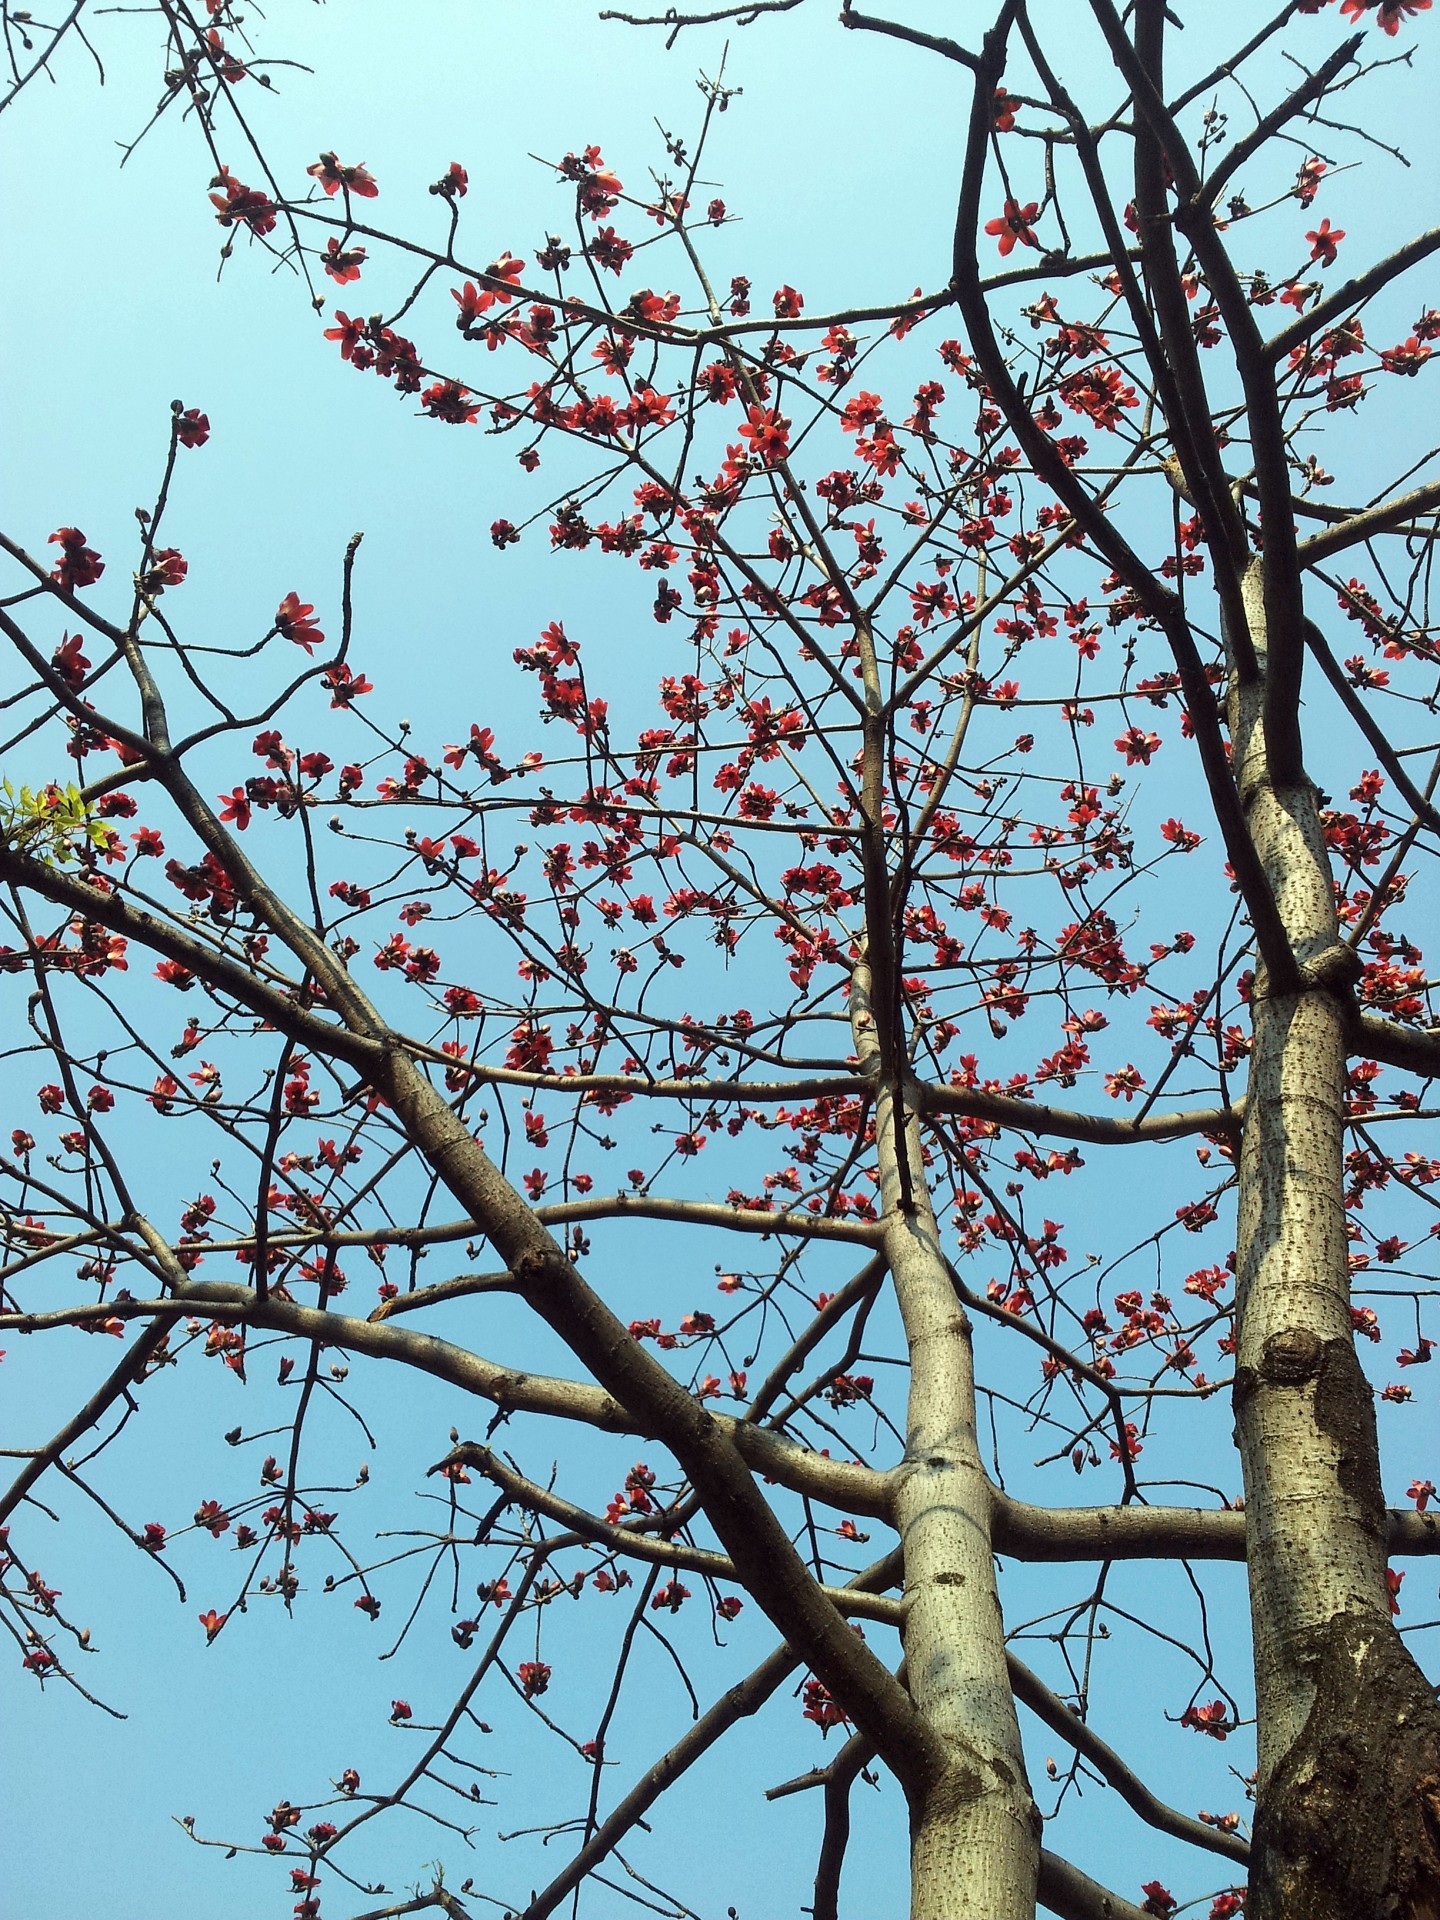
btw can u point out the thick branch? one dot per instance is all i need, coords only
(1159, 1533)
(913, 36)
(1065, 1890)
(1399, 1047)
(1389, 516)
(226, 976)
(1098, 1129)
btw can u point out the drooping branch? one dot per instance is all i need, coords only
(840, 1778)
(736, 1703)
(1046, 1705)
(118, 1382)
(1424, 810)
(639, 1543)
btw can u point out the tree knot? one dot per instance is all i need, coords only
(535, 1267)
(1334, 971)
(1292, 1357)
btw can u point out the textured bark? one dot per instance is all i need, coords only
(975, 1831)
(1349, 1734)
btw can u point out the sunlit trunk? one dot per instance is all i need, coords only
(1349, 1763)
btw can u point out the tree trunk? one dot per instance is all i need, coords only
(1348, 1781)
(975, 1831)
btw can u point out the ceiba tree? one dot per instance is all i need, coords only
(964, 599)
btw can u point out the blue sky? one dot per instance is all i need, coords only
(840, 156)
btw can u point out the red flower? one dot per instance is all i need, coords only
(1392, 12)
(1307, 181)
(453, 183)
(1014, 225)
(167, 569)
(861, 410)
(1325, 243)
(1125, 1080)
(241, 204)
(212, 1623)
(162, 1098)
(1136, 745)
(498, 288)
(213, 1517)
(1099, 393)
(69, 660)
(534, 1677)
(192, 428)
(342, 263)
(768, 434)
(400, 1710)
(1002, 111)
(293, 622)
(648, 408)
(1211, 1719)
(235, 808)
(349, 332)
(448, 400)
(332, 177)
(1408, 357)
(822, 1707)
(1158, 1899)
(1392, 1587)
(344, 686)
(80, 566)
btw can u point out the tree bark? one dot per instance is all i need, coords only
(1348, 1784)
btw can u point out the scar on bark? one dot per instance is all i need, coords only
(1351, 1824)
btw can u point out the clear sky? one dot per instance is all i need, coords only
(840, 156)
